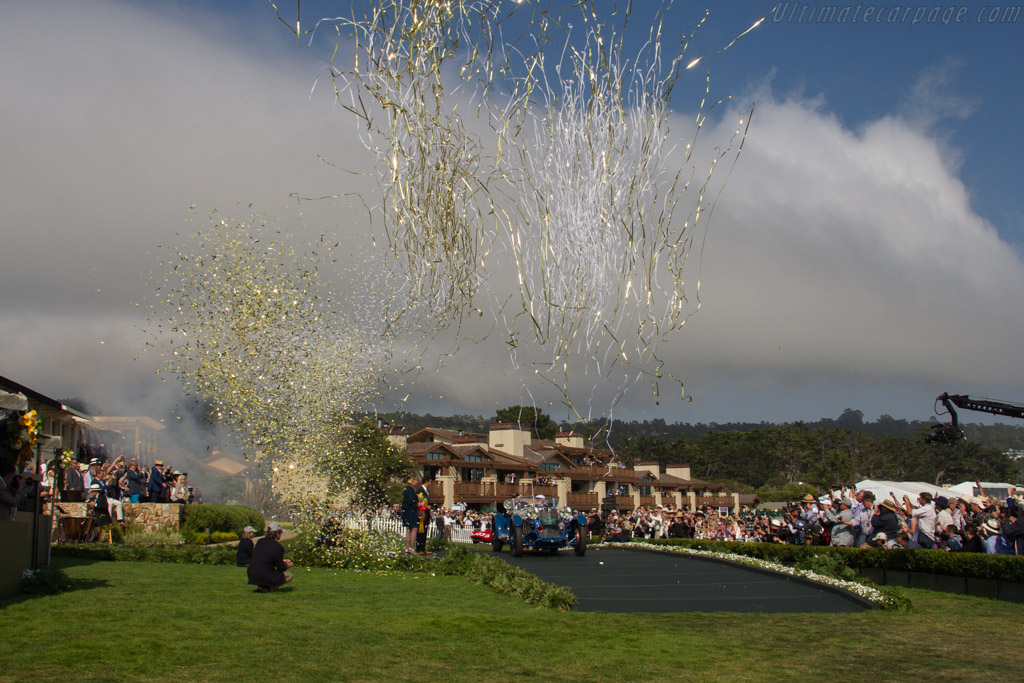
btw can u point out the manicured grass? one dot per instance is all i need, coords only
(134, 620)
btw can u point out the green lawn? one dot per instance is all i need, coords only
(134, 620)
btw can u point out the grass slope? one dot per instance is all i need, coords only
(133, 620)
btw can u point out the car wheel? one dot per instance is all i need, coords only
(515, 540)
(581, 540)
(496, 543)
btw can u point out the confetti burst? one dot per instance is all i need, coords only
(575, 179)
(246, 321)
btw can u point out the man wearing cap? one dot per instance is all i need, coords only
(243, 556)
(862, 517)
(156, 482)
(90, 474)
(267, 568)
(844, 531)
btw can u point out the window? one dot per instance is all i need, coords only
(435, 456)
(471, 474)
(549, 467)
(473, 458)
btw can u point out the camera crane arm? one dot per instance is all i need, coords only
(949, 433)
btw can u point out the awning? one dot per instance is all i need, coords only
(13, 401)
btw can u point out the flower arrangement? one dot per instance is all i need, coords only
(63, 458)
(20, 432)
(885, 599)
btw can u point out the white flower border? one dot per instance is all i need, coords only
(867, 592)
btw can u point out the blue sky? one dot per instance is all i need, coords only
(865, 253)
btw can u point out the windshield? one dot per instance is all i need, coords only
(531, 503)
(548, 516)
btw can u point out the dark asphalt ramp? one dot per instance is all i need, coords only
(617, 580)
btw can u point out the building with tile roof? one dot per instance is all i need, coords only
(484, 470)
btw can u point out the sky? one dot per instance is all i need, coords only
(865, 252)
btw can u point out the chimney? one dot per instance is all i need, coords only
(569, 439)
(678, 470)
(651, 466)
(508, 437)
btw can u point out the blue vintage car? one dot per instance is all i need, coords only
(535, 522)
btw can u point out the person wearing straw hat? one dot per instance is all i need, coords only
(156, 482)
(886, 522)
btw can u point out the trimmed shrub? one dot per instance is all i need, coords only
(503, 577)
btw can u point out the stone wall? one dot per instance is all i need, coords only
(149, 516)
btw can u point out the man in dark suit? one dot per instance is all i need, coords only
(156, 482)
(74, 485)
(267, 567)
(423, 496)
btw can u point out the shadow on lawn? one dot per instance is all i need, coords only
(59, 560)
(284, 589)
(75, 585)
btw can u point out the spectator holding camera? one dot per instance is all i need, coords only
(136, 482)
(11, 493)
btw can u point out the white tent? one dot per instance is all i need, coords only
(998, 490)
(910, 489)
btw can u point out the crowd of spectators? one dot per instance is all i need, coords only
(843, 517)
(126, 481)
(104, 486)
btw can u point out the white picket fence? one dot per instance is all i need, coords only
(459, 533)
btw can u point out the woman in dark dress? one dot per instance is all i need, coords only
(243, 556)
(267, 568)
(411, 514)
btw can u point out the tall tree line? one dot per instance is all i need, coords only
(763, 455)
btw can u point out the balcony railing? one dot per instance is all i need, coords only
(715, 501)
(583, 501)
(473, 490)
(506, 491)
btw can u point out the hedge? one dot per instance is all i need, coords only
(967, 565)
(499, 575)
(189, 554)
(224, 518)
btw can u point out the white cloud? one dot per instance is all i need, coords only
(840, 254)
(842, 265)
